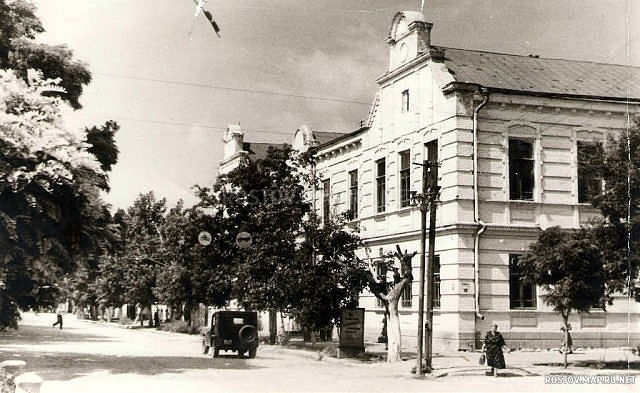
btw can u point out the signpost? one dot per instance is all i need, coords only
(352, 330)
(204, 238)
(243, 240)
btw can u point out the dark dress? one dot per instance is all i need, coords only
(493, 344)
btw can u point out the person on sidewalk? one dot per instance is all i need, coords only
(492, 347)
(568, 346)
(58, 321)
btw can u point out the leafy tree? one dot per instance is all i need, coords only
(194, 273)
(19, 51)
(568, 265)
(103, 144)
(49, 188)
(278, 273)
(618, 235)
(326, 276)
(389, 292)
(264, 198)
(142, 250)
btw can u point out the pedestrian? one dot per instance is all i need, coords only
(156, 319)
(568, 345)
(492, 348)
(58, 320)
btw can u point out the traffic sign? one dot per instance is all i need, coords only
(204, 238)
(243, 239)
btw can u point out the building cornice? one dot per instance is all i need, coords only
(431, 53)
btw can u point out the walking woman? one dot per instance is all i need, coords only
(493, 343)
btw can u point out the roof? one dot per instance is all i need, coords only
(340, 138)
(324, 137)
(258, 151)
(531, 74)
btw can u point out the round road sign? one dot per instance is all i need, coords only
(204, 238)
(243, 239)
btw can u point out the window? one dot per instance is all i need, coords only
(405, 178)
(326, 200)
(521, 294)
(381, 185)
(436, 282)
(589, 175)
(521, 178)
(407, 295)
(405, 101)
(432, 150)
(353, 194)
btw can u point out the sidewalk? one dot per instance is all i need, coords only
(519, 363)
(598, 361)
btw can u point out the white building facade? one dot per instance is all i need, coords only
(507, 131)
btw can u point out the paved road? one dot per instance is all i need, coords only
(95, 357)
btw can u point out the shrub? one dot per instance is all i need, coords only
(179, 327)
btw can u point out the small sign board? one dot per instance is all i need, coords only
(204, 238)
(352, 330)
(243, 240)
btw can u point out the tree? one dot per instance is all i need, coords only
(389, 292)
(267, 198)
(49, 187)
(194, 273)
(568, 265)
(618, 234)
(19, 51)
(143, 250)
(103, 145)
(326, 276)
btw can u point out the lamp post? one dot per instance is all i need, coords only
(426, 201)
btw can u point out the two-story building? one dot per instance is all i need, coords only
(508, 132)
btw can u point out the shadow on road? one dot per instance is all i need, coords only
(40, 335)
(67, 365)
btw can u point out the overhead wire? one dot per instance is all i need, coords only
(235, 89)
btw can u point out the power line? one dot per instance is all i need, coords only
(177, 123)
(235, 89)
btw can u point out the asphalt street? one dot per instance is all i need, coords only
(98, 357)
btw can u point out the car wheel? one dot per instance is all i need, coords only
(252, 353)
(248, 334)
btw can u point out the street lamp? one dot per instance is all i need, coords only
(426, 201)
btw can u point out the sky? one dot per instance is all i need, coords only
(174, 86)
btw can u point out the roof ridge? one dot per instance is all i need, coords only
(536, 57)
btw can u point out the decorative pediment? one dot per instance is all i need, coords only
(522, 129)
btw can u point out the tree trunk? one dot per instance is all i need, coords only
(394, 341)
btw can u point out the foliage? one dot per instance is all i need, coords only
(618, 235)
(194, 273)
(19, 51)
(265, 198)
(49, 190)
(295, 265)
(327, 277)
(102, 144)
(568, 265)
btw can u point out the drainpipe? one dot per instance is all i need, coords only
(476, 211)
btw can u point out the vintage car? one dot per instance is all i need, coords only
(232, 331)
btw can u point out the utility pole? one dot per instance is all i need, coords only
(421, 201)
(432, 195)
(426, 201)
